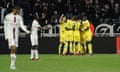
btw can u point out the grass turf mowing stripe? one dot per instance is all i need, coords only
(55, 63)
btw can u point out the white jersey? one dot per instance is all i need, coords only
(34, 32)
(12, 23)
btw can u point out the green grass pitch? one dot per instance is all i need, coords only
(55, 63)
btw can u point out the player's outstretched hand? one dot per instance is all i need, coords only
(6, 39)
(40, 28)
(48, 27)
(28, 32)
(45, 28)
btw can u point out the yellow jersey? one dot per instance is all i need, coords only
(69, 30)
(76, 32)
(86, 34)
(62, 31)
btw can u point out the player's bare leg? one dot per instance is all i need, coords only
(81, 49)
(90, 48)
(32, 53)
(13, 57)
(78, 48)
(36, 53)
(65, 49)
(84, 47)
(60, 48)
(74, 49)
(71, 48)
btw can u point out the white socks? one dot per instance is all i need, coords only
(34, 53)
(13, 59)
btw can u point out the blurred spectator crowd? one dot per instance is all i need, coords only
(49, 11)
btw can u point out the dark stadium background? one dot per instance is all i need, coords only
(49, 11)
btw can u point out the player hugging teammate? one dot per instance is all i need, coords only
(75, 36)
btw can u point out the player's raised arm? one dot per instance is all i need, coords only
(61, 18)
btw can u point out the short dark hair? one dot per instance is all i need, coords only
(16, 7)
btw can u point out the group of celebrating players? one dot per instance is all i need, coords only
(75, 36)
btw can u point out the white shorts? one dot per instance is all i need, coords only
(34, 40)
(12, 42)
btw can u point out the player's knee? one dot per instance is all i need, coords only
(76, 43)
(13, 47)
(13, 50)
(35, 47)
(89, 42)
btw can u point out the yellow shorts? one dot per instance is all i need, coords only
(76, 36)
(86, 36)
(69, 35)
(62, 36)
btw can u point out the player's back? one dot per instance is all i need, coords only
(77, 25)
(69, 30)
(86, 33)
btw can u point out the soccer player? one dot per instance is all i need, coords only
(62, 45)
(12, 22)
(76, 37)
(34, 39)
(69, 36)
(86, 35)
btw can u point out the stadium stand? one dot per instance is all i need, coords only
(48, 11)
